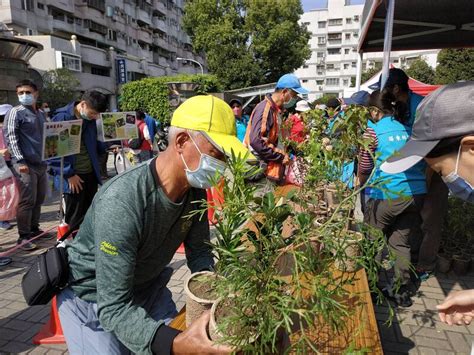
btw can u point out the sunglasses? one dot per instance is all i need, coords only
(23, 92)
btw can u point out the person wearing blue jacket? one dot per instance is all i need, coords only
(81, 171)
(394, 201)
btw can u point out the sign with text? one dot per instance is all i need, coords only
(121, 71)
(61, 139)
(118, 126)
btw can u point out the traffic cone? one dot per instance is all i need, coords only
(51, 332)
(62, 229)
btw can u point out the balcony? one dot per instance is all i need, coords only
(161, 42)
(63, 26)
(160, 6)
(89, 81)
(94, 56)
(159, 24)
(144, 36)
(163, 61)
(143, 16)
(173, 47)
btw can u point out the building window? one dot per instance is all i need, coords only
(40, 6)
(345, 82)
(70, 19)
(305, 66)
(306, 23)
(97, 4)
(95, 27)
(71, 62)
(111, 35)
(348, 36)
(57, 15)
(335, 22)
(334, 36)
(346, 50)
(332, 81)
(356, 18)
(322, 24)
(319, 82)
(304, 80)
(334, 50)
(356, 34)
(321, 40)
(28, 5)
(78, 21)
(320, 55)
(100, 71)
(354, 64)
(346, 66)
(348, 21)
(330, 66)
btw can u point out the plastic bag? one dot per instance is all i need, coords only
(5, 172)
(122, 164)
(9, 198)
(294, 174)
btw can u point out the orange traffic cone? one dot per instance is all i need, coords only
(51, 332)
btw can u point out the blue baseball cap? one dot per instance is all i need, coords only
(290, 81)
(358, 98)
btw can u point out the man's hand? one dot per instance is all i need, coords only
(194, 340)
(23, 169)
(457, 308)
(286, 160)
(75, 184)
(5, 153)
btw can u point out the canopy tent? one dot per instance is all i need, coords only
(420, 24)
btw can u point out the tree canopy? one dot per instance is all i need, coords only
(455, 65)
(421, 71)
(248, 42)
(59, 87)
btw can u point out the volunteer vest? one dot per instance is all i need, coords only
(392, 136)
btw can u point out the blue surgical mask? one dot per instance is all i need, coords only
(26, 99)
(208, 168)
(458, 186)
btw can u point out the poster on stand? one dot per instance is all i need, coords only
(117, 126)
(61, 139)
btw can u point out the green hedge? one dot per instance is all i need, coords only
(151, 94)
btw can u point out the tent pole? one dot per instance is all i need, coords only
(359, 70)
(387, 46)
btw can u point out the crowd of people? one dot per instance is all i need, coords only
(130, 228)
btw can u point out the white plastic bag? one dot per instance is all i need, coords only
(122, 164)
(5, 172)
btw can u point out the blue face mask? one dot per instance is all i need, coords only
(208, 168)
(26, 99)
(458, 186)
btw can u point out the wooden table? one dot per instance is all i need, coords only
(360, 332)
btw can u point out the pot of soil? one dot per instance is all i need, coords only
(443, 263)
(347, 262)
(461, 264)
(200, 294)
(220, 309)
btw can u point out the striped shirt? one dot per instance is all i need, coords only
(366, 163)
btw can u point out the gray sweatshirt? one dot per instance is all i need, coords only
(129, 235)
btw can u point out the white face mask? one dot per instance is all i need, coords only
(458, 186)
(204, 174)
(47, 109)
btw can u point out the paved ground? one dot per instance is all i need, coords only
(416, 330)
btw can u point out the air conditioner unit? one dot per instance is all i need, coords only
(320, 87)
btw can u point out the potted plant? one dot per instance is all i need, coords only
(200, 294)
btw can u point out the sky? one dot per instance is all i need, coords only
(315, 4)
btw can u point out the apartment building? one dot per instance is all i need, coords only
(105, 42)
(333, 64)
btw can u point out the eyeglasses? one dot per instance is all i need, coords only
(23, 92)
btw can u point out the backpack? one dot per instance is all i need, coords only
(136, 143)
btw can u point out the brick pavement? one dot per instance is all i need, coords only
(415, 330)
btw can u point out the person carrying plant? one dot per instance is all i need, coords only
(81, 171)
(136, 223)
(443, 134)
(263, 135)
(394, 201)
